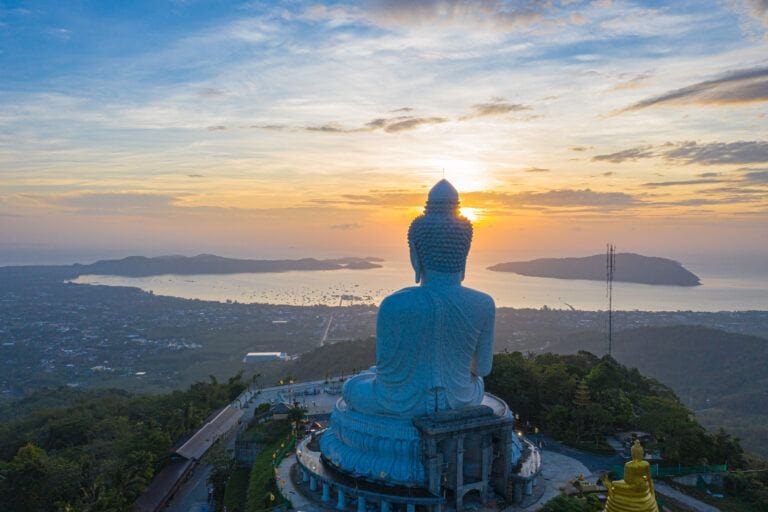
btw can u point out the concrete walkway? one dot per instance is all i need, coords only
(288, 488)
(698, 506)
(557, 470)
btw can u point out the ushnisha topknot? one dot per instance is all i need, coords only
(441, 236)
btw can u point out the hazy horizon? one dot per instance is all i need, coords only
(726, 265)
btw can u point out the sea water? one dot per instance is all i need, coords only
(718, 291)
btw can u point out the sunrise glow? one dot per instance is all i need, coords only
(298, 129)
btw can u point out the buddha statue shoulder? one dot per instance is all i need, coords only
(635, 493)
(434, 341)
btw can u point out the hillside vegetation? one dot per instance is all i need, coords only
(581, 398)
(543, 391)
(722, 376)
(99, 450)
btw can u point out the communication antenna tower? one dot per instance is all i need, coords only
(610, 267)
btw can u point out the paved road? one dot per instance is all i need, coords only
(593, 461)
(698, 506)
(193, 494)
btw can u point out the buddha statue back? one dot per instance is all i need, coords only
(434, 343)
(431, 343)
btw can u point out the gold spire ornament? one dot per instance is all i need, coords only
(635, 492)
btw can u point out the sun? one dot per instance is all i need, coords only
(473, 214)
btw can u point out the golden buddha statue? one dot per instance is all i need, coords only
(635, 492)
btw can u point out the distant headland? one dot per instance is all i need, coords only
(141, 266)
(630, 268)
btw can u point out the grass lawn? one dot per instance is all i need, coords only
(237, 487)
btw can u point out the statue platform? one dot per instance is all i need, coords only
(433, 460)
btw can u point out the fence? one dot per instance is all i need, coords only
(281, 501)
(657, 471)
(288, 448)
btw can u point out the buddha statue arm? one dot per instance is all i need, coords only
(483, 359)
(648, 479)
(608, 484)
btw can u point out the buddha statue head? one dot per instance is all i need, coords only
(439, 240)
(638, 454)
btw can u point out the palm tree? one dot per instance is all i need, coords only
(296, 415)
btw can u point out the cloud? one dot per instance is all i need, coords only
(389, 125)
(738, 87)
(216, 128)
(625, 155)
(535, 169)
(401, 123)
(581, 148)
(682, 183)
(495, 107)
(577, 18)
(632, 83)
(211, 92)
(708, 174)
(708, 201)
(741, 152)
(346, 227)
(757, 177)
(758, 9)
(560, 198)
(328, 128)
(109, 203)
(385, 198)
(571, 198)
(196, 175)
(412, 124)
(494, 15)
(377, 123)
(689, 152)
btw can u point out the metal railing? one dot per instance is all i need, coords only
(660, 471)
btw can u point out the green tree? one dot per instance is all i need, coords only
(565, 503)
(681, 439)
(514, 380)
(296, 416)
(221, 469)
(33, 481)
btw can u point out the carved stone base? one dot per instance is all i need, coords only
(378, 448)
(472, 449)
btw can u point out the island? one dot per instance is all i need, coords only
(141, 266)
(630, 268)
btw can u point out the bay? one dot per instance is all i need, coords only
(718, 292)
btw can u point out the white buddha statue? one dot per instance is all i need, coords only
(434, 343)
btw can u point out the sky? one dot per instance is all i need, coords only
(292, 129)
